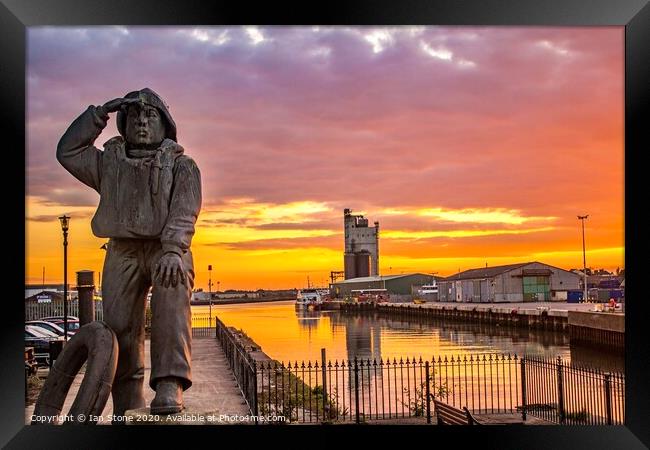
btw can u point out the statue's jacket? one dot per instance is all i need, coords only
(155, 195)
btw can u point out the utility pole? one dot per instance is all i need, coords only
(210, 290)
(65, 224)
(584, 256)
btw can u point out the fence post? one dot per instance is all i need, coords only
(608, 397)
(428, 393)
(356, 391)
(322, 357)
(254, 399)
(523, 388)
(560, 390)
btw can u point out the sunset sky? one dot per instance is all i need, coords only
(470, 145)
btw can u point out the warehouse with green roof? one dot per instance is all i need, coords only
(402, 284)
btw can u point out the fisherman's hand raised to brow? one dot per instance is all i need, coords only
(117, 103)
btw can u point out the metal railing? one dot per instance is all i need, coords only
(242, 365)
(362, 389)
(354, 390)
(488, 383)
(203, 325)
(566, 394)
(35, 311)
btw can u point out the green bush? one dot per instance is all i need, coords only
(579, 416)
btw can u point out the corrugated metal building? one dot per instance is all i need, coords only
(524, 282)
(394, 284)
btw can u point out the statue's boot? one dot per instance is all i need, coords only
(169, 396)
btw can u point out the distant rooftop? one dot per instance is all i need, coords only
(45, 286)
(486, 272)
(490, 272)
(381, 278)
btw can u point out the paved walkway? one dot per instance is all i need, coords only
(213, 390)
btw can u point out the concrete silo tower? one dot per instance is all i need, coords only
(361, 255)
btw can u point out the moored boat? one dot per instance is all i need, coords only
(426, 292)
(309, 299)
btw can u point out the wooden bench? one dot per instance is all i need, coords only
(449, 415)
(470, 418)
(494, 419)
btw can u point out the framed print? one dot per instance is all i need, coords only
(377, 218)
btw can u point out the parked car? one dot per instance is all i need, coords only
(40, 330)
(40, 339)
(50, 326)
(73, 323)
(59, 318)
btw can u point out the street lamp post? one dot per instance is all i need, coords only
(65, 223)
(584, 257)
(210, 290)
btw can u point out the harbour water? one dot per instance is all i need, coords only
(288, 335)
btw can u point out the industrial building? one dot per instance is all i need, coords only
(45, 297)
(524, 282)
(361, 255)
(395, 284)
(33, 289)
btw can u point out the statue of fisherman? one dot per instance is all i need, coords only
(150, 198)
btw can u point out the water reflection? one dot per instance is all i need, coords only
(287, 334)
(308, 320)
(607, 360)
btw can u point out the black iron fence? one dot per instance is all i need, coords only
(242, 365)
(203, 325)
(488, 383)
(362, 389)
(354, 390)
(565, 394)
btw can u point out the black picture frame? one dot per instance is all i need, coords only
(634, 15)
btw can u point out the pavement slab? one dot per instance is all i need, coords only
(214, 390)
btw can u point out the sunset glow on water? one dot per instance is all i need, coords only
(289, 335)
